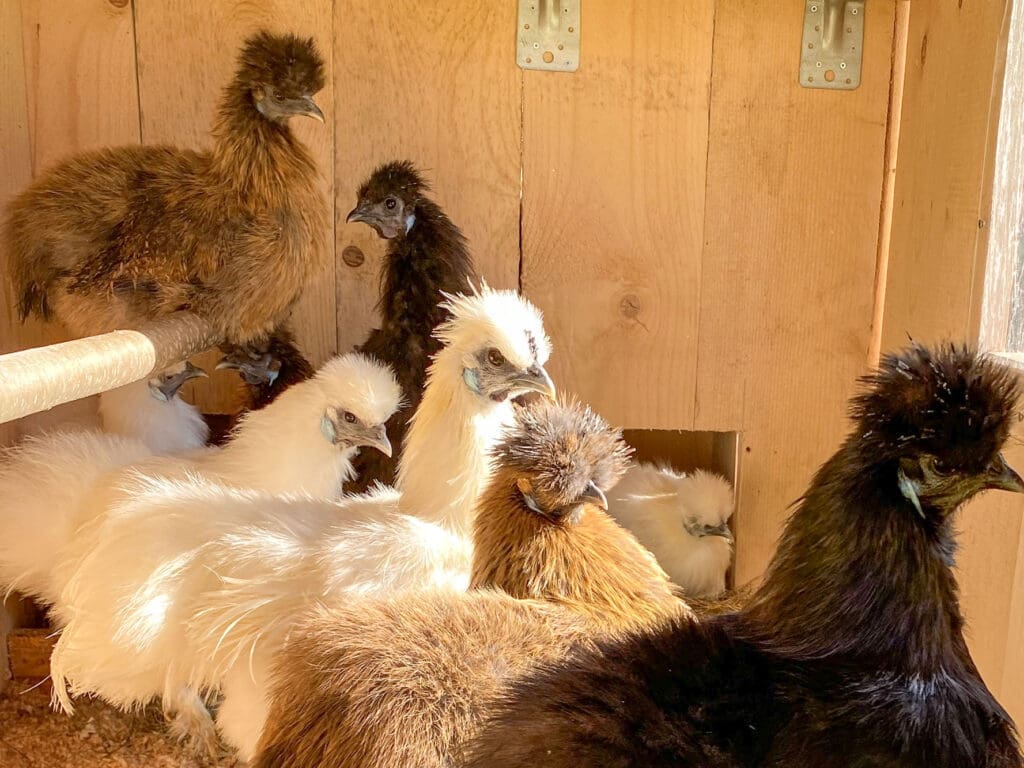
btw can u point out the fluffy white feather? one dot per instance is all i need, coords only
(209, 579)
(69, 534)
(163, 421)
(682, 519)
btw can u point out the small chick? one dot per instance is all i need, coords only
(426, 258)
(151, 411)
(683, 519)
(112, 238)
(405, 679)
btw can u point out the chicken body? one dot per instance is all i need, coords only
(683, 519)
(75, 508)
(231, 570)
(404, 680)
(850, 654)
(112, 238)
(426, 259)
(151, 411)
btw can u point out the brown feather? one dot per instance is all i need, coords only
(115, 237)
(405, 680)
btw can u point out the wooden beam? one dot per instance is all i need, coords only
(37, 379)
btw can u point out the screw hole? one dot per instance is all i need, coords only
(830, 76)
(548, 57)
(526, 26)
(571, 29)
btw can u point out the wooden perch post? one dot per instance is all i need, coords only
(37, 379)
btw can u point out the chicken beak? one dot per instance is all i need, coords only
(1001, 476)
(169, 387)
(535, 379)
(718, 530)
(378, 438)
(594, 495)
(356, 214)
(309, 108)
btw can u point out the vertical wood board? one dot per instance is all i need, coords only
(613, 207)
(794, 183)
(435, 83)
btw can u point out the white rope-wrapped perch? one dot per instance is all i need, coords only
(37, 379)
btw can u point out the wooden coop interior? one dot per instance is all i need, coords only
(719, 251)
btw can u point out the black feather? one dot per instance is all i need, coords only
(429, 259)
(851, 653)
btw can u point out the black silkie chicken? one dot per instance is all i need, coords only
(426, 257)
(851, 653)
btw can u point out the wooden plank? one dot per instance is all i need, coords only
(15, 164)
(1002, 323)
(613, 207)
(28, 652)
(794, 183)
(950, 113)
(437, 85)
(187, 53)
(69, 82)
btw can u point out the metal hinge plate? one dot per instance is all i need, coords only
(548, 35)
(833, 44)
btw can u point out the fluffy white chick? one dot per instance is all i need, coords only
(210, 604)
(683, 519)
(64, 539)
(152, 411)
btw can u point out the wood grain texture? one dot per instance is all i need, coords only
(68, 86)
(613, 207)
(950, 113)
(187, 54)
(793, 197)
(435, 83)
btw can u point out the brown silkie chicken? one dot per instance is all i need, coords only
(405, 680)
(851, 653)
(426, 257)
(115, 237)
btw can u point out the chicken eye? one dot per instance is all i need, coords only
(349, 417)
(939, 468)
(390, 203)
(278, 95)
(495, 358)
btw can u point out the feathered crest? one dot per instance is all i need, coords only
(562, 446)
(499, 317)
(951, 402)
(290, 63)
(362, 384)
(398, 177)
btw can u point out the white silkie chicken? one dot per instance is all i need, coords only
(61, 494)
(152, 411)
(683, 519)
(209, 580)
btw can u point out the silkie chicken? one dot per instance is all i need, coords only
(683, 519)
(151, 411)
(266, 370)
(111, 238)
(403, 680)
(68, 535)
(851, 653)
(210, 579)
(426, 258)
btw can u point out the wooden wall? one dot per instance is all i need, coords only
(701, 231)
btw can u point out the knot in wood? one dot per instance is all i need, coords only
(353, 256)
(119, 3)
(630, 305)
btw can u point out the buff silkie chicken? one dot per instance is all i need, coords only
(216, 576)
(683, 519)
(65, 538)
(112, 238)
(851, 653)
(404, 679)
